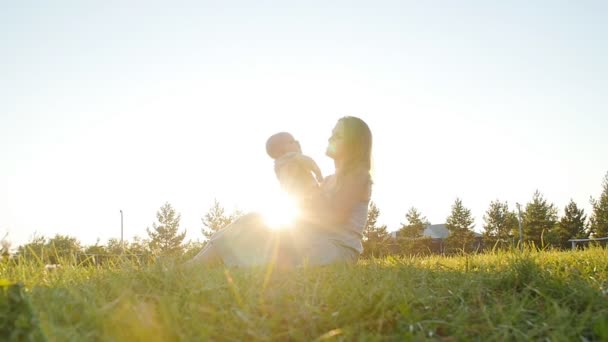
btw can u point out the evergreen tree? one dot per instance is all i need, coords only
(375, 237)
(164, 236)
(216, 218)
(410, 236)
(572, 225)
(500, 224)
(599, 216)
(414, 226)
(539, 220)
(460, 225)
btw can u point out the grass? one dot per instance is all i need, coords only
(498, 296)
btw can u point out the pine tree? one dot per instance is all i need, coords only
(599, 216)
(216, 218)
(539, 220)
(415, 224)
(164, 236)
(410, 236)
(375, 238)
(499, 223)
(572, 225)
(460, 225)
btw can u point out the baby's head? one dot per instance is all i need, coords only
(279, 144)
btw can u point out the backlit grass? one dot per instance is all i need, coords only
(497, 296)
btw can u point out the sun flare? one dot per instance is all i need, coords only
(279, 211)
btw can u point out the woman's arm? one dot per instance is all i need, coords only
(335, 201)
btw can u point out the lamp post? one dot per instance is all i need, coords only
(121, 230)
(521, 233)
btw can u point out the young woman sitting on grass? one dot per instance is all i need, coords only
(330, 231)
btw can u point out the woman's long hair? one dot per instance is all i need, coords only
(357, 144)
(357, 147)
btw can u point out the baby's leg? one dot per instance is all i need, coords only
(207, 257)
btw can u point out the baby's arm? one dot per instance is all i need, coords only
(310, 164)
(285, 175)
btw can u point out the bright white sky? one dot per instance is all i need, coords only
(106, 106)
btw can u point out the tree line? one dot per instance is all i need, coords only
(541, 226)
(164, 238)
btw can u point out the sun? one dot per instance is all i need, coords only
(279, 210)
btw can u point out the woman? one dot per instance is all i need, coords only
(329, 233)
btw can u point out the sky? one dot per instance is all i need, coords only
(115, 105)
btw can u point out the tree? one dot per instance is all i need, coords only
(95, 254)
(216, 218)
(35, 249)
(460, 225)
(572, 225)
(192, 248)
(138, 247)
(96, 249)
(375, 237)
(499, 223)
(164, 236)
(410, 235)
(599, 216)
(63, 248)
(415, 224)
(139, 250)
(114, 247)
(539, 219)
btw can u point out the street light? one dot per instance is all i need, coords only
(121, 229)
(521, 233)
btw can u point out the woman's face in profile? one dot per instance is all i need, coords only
(336, 142)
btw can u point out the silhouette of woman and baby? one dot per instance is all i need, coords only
(333, 209)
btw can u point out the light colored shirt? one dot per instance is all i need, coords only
(298, 174)
(349, 234)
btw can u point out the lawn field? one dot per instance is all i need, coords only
(496, 296)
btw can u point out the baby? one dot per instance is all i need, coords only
(298, 174)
